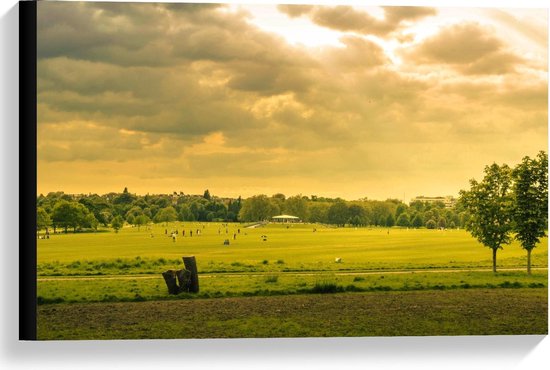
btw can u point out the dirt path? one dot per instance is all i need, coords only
(290, 273)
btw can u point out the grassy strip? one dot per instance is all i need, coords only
(145, 266)
(127, 290)
(458, 312)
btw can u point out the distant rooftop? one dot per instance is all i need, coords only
(448, 200)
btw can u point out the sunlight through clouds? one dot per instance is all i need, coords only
(345, 100)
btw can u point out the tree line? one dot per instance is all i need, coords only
(58, 210)
(88, 211)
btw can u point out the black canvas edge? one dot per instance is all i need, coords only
(27, 169)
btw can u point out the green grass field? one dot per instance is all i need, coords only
(294, 259)
(91, 272)
(295, 248)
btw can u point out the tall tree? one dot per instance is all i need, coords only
(318, 212)
(403, 220)
(167, 214)
(69, 214)
(338, 213)
(117, 223)
(489, 205)
(258, 208)
(417, 221)
(43, 220)
(530, 211)
(141, 220)
(390, 220)
(296, 206)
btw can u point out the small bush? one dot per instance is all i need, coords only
(327, 287)
(43, 300)
(353, 288)
(383, 288)
(508, 284)
(358, 278)
(109, 298)
(265, 262)
(138, 298)
(272, 279)
(280, 262)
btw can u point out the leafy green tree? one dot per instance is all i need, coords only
(530, 212)
(258, 208)
(296, 206)
(215, 209)
(279, 200)
(357, 214)
(132, 214)
(206, 195)
(390, 220)
(355, 221)
(400, 209)
(431, 224)
(90, 221)
(105, 217)
(185, 214)
(43, 220)
(442, 223)
(380, 211)
(318, 212)
(125, 198)
(167, 214)
(417, 205)
(69, 214)
(429, 215)
(96, 205)
(141, 220)
(403, 220)
(338, 213)
(234, 207)
(417, 221)
(489, 204)
(117, 223)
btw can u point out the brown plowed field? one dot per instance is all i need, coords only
(457, 312)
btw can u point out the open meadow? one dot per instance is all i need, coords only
(291, 260)
(292, 247)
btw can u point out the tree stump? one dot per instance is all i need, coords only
(184, 280)
(191, 266)
(170, 279)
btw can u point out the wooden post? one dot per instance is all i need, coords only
(191, 266)
(170, 278)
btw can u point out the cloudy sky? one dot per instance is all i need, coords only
(329, 99)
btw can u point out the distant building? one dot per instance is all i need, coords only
(449, 200)
(285, 218)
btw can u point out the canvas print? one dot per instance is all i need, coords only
(269, 170)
